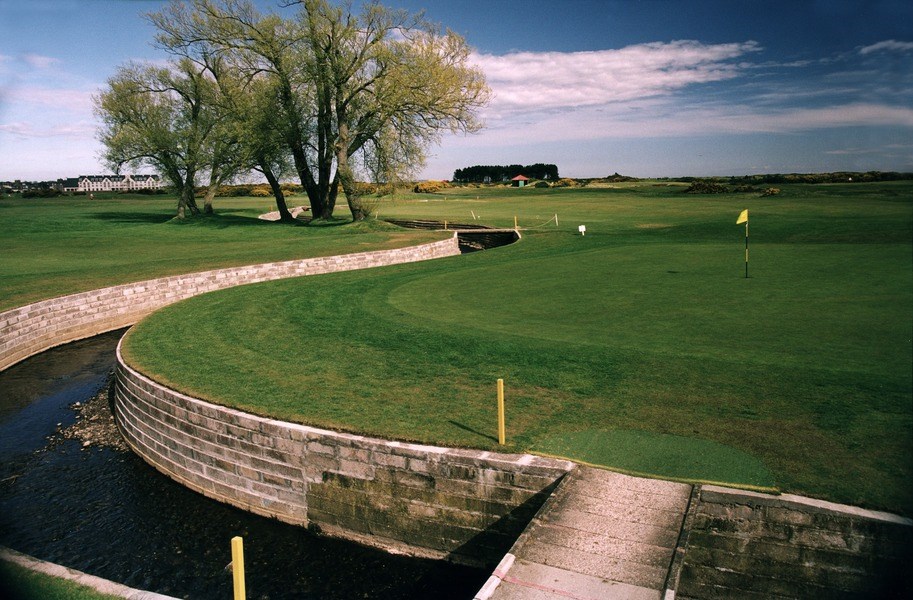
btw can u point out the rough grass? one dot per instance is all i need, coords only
(803, 369)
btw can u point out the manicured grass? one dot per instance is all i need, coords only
(18, 583)
(644, 453)
(72, 244)
(646, 324)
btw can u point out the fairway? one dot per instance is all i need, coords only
(643, 334)
(58, 246)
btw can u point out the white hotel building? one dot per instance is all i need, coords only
(116, 183)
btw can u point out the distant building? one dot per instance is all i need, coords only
(70, 184)
(117, 183)
(520, 180)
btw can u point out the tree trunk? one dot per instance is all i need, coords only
(214, 182)
(207, 201)
(344, 171)
(187, 203)
(284, 215)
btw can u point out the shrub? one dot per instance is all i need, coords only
(706, 187)
(261, 191)
(541, 184)
(41, 193)
(565, 182)
(771, 192)
(430, 187)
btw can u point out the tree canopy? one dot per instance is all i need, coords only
(330, 95)
(166, 118)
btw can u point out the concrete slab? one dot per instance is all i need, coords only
(532, 581)
(603, 567)
(601, 535)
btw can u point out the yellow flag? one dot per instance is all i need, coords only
(743, 218)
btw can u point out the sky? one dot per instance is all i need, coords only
(645, 88)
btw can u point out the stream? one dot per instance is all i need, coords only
(102, 510)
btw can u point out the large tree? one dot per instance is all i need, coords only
(352, 94)
(165, 117)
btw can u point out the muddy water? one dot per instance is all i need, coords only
(106, 512)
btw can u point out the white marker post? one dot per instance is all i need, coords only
(582, 229)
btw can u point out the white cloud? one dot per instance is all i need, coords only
(660, 118)
(549, 80)
(37, 61)
(65, 100)
(642, 91)
(887, 46)
(19, 129)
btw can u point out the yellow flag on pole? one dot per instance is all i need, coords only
(743, 218)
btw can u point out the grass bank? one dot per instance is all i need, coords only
(53, 247)
(643, 334)
(19, 583)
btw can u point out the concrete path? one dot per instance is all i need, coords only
(601, 535)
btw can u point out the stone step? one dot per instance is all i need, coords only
(534, 581)
(602, 535)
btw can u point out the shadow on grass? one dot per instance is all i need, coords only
(216, 221)
(150, 218)
(473, 431)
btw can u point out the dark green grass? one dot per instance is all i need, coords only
(645, 324)
(53, 247)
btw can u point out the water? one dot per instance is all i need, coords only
(108, 513)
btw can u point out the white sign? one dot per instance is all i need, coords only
(582, 229)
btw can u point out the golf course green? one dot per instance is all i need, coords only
(639, 346)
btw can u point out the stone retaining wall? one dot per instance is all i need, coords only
(463, 505)
(748, 545)
(34, 328)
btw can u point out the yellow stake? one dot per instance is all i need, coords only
(237, 567)
(515, 222)
(501, 434)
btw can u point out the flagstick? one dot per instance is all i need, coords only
(746, 249)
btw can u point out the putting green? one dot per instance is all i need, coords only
(661, 455)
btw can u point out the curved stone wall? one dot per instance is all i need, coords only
(467, 506)
(34, 328)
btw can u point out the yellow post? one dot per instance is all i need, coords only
(515, 222)
(501, 433)
(237, 567)
(445, 225)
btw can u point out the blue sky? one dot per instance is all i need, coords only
(646, 88)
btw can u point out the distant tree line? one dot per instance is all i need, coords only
(494, 173)
(835, 177)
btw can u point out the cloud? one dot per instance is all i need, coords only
(37, 61)
(549, 80)
(652, 90)
(661, 118)
(65, 100)
(22, 130)
(887, 46)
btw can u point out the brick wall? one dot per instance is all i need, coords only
(31, 329)
(467, 506)
(748, 545)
